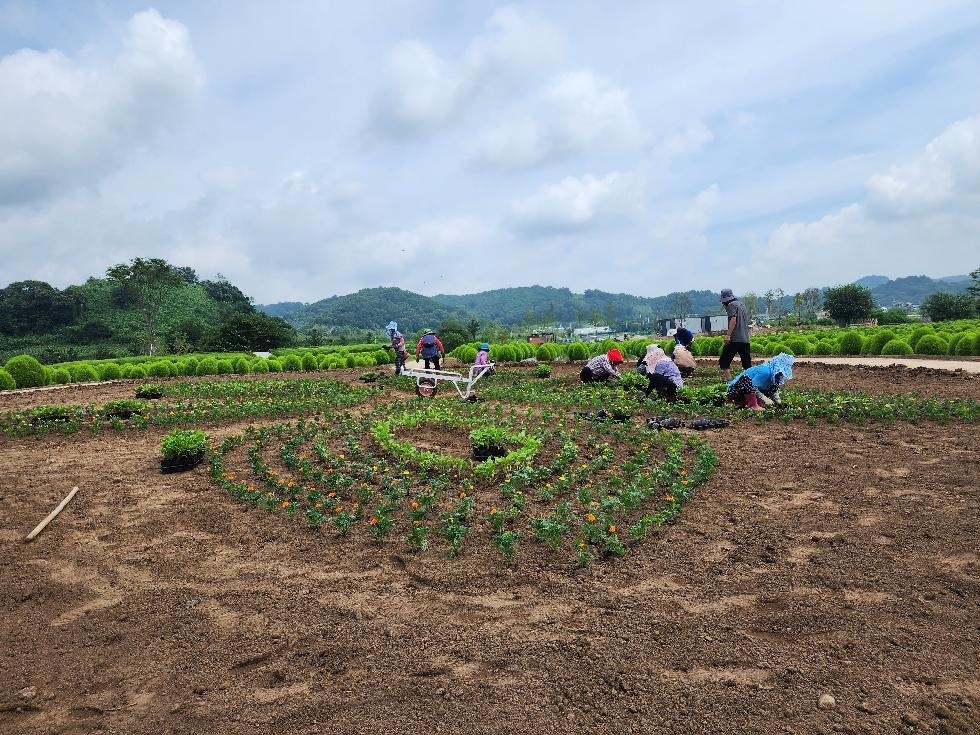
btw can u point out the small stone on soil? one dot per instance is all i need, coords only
(826, 702)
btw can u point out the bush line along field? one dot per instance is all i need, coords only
(961, 338)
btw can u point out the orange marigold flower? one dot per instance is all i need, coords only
(462, 494)
(338, 508)
(590, 517)
(285, 503)
(493, 511)
(415, 504)
(331, 495)
(318, 505)
(684, 482)
(374, 521)
(612, 529)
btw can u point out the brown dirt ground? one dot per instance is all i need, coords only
(828, 559)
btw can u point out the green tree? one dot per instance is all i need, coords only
(768, 298)
(473, 327)
(974, 288)
(812, 299)
(751, 303)
(680, 305)
(942, 306)
(894, 315)
(253, 332)
(144, 285)
(452, 334)
(798, 304)
(848, 303)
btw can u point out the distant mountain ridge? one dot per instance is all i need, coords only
(372, 308)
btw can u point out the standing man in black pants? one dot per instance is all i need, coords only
(737, 336)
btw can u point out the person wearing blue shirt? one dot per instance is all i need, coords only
(758, 387)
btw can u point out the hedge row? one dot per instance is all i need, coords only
(24, 371)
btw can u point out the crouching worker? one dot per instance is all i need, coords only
(482, 362)
(682, 356)
(758, 387)
(662, 373)
(398, 345)
(602, 367)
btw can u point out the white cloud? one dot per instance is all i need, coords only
(574, 204)
(692, 138)
(947, 173)
(65, 123)
(917, 215)
(577, 113)
(683, 232)
(420, 91)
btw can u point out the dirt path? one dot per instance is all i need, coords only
(970, 366)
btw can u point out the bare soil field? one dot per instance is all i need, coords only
(825, 580)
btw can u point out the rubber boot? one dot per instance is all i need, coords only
(752, 401)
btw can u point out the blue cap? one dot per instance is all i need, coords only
(484, 346)
(392, 327)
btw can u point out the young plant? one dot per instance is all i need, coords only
(506, 541)
(183, 443)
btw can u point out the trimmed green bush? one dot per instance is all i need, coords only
(291, 363)
(465, 354)
(61, 376)
(917, 334)
(824, 347)
(207, 366)
(225, 367)
(275, 366)
(577, 351)
(82, 372)
(259, 366)
(965, 345)
(109, 371)
(878, 340)
(505, 353)
(158, 369)
(240, 366)
(137, 371)
(7, 381)
(930, 344)
(350, 361)
(851, 343)
(26, 371)
(896, 347)
(954, 341)
(309, 362)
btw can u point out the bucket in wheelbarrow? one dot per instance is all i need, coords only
(426, 387)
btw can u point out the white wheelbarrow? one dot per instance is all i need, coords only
(427, 381)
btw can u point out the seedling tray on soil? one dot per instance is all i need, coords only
(181, 464)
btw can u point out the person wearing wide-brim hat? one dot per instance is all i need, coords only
(736, 336)
(429, 348)
(398, 345)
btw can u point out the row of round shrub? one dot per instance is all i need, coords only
(24, 371)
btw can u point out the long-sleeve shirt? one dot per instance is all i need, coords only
(600, 365)
(482, 362)
(418, 347)
(669, 370)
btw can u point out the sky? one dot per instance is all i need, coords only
(308, 149)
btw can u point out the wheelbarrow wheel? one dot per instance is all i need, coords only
(426, 388)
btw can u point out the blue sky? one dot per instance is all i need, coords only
(307, 149)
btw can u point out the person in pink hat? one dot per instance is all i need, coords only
(737, 335)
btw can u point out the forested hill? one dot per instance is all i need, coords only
(143, 303)
(548, 305)
(372, 308)
(915, 289)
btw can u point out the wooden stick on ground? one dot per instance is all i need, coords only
(51, 515)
